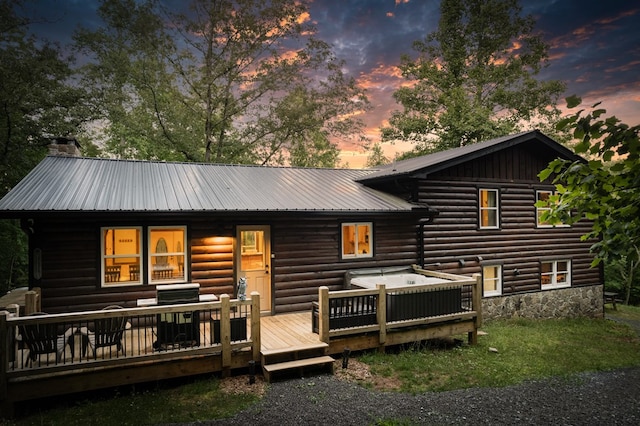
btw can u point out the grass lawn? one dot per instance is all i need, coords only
(512, 351)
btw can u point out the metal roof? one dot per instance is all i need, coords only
(74, 184)
(444, 159)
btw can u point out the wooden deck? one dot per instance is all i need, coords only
(287, 331)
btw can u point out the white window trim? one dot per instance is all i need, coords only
(149, 256)
(539, 210)
(369, 253)
(103, 256)
(554, 275)
(498, 279)
(496, 208)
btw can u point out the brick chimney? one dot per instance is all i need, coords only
(66, 147)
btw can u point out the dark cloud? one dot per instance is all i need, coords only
(594, 44)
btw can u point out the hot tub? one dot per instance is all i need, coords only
(402, 302)
(395, 280)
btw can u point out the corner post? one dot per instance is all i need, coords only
(6, 407)
(382, 314)
(32, 301)
(255, 326)
(225, 334)
(323, 314)
(476, 298)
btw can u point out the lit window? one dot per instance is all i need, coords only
(492, 280)
(357, 240)
(489, 208)
(167, 247)
(544, 196)
(121, 254)
(555, 274)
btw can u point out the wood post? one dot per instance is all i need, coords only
(476, 300)
(5, 338)
(382, 314)
(225, 334)
(323, 314)
(32, 301)
(255, 325)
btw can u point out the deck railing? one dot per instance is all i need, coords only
(339, 314)
(41, 345)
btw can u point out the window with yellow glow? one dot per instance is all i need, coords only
(489, 208)
(167, 247)
(491, 280)
(121, 249)
(357, 240)
(544, 196)
(251, 250)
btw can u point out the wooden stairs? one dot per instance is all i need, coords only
(296, 359)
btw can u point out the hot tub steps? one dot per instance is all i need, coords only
(297, 359)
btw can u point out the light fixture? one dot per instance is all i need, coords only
(461, 262)
(479, 258)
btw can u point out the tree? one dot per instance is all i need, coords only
(605, 190)
(473, 78)
(377, 157)
(37, 103)
(228, 81)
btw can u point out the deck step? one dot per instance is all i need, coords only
(299, 348)
(298, 364)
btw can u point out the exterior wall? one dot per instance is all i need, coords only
(308, 255)
(574, 302)
(306, 249)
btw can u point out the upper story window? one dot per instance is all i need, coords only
(555, 274)
(543, 195)
(488, 209)
(121, 256)
(167, 253)
(357, 240)
(491, 280)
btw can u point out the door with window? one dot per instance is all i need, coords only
(254, 261)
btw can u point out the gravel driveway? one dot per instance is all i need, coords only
(609, 398)
(604, 398)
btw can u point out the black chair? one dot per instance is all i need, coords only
(43, 339)
(106, 333)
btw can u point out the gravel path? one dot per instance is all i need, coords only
(604, 398)
(610, 398)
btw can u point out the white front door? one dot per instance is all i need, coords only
(254, 261)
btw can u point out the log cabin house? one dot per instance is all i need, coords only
(104, 232)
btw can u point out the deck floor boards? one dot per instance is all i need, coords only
(287, 330)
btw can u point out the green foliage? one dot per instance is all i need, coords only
(605, 189)
(228, 81)
(39, 100)
(474, 78)
(526, 350)
(376, 156)
(13, 256)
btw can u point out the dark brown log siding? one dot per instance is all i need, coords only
(518, 244)
(308, 255)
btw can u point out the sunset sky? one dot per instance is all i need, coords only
(595, 47)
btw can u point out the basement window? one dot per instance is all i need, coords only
(555, 274)
(491, 280)
(357, 240)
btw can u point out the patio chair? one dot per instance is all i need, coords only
(107, 332)
(43, 339)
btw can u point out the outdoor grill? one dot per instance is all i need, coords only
(178, 328)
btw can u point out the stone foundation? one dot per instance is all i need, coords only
(561, 303)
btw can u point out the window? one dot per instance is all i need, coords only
(357, 240)
(555, 274)
(121, 254)
(166, 254)
(488, 209)
(492, 280)
(123, 260)
(544, 196)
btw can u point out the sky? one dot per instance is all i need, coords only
(594, 48)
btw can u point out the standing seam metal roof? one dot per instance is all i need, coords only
(107, 185)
